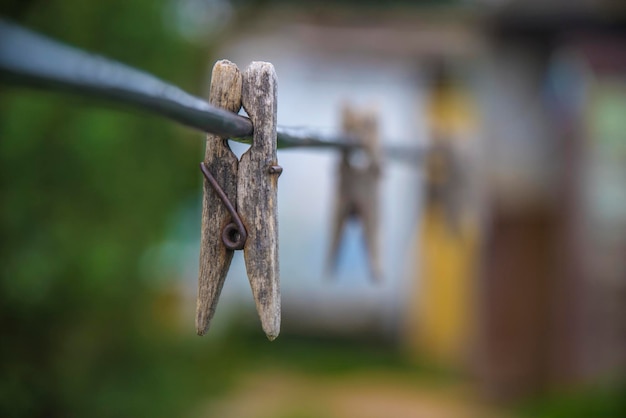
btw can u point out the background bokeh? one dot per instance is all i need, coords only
(100, 217)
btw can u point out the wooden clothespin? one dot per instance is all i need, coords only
(358, 187)
(250, 185)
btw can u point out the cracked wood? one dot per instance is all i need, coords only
(215, 258)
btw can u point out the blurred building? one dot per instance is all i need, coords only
(519, 209)
(552, 283)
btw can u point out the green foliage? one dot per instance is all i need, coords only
(84, 191)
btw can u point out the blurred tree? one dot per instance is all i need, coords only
(85, 190)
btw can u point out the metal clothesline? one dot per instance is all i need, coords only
(30, 59)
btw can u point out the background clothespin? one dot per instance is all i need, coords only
(358, 186)
(444, 181)
(251, 187)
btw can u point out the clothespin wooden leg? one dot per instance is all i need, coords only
(341, 213)
(257, 194)
(371, 228)
(215, 258)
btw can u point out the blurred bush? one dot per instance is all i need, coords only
(85, 190)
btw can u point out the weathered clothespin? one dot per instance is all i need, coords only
(358, 187)
(239, 208)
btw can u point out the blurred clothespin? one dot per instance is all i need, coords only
(443, 178)
(239, 208)
(358, 187)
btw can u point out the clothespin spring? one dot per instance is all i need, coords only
(234, 235)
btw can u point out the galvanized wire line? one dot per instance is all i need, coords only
(30, 59)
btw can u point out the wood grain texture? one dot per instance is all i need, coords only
(257, 194)
(215, 258)
(358, 190)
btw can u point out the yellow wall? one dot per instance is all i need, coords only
(441, 316)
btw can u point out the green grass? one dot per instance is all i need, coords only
(606, 401)
(326, 356)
